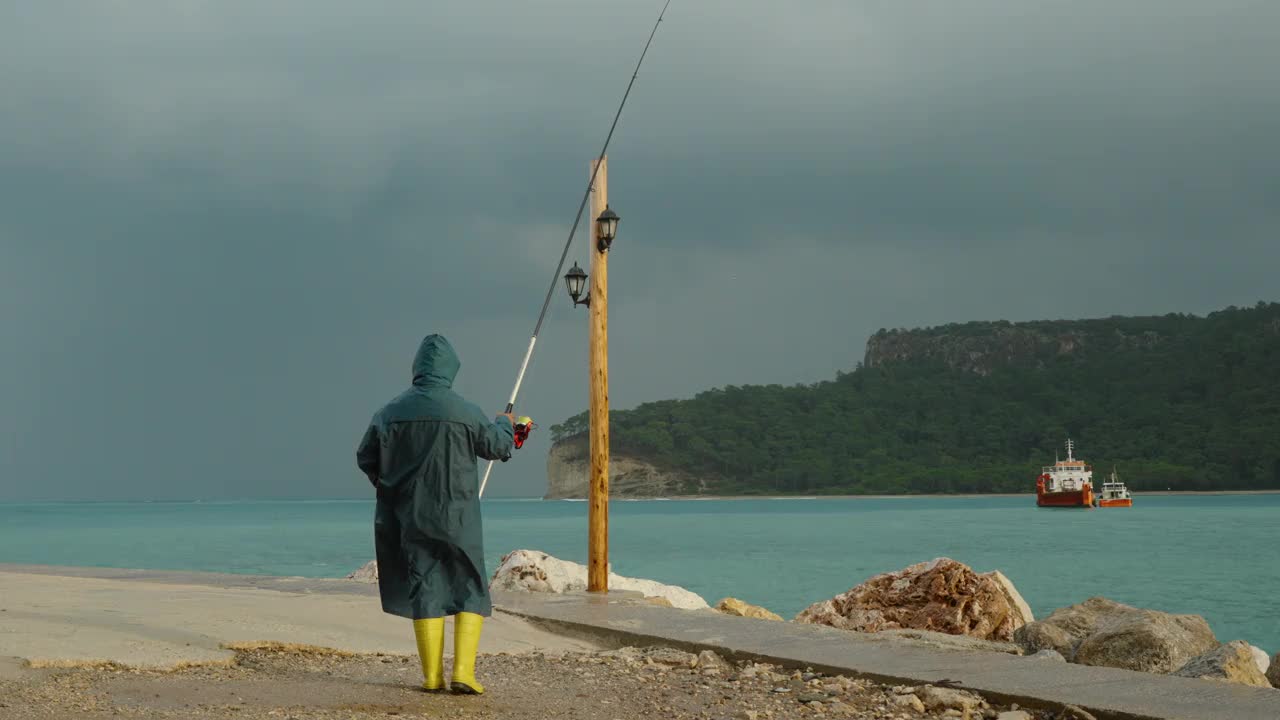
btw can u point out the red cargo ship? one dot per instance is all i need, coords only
(1066, 483)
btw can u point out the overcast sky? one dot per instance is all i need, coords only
(226, 225)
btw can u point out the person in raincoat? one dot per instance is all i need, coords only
(420, 453)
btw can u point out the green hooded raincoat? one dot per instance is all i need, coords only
(422, 449)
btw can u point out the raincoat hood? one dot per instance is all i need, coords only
(436, 364)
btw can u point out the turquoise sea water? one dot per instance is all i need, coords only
(1218, 556)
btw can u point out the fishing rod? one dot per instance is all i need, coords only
(555, 276)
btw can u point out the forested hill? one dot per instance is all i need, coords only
(1177, 401)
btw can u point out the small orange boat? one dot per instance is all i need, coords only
(1114, 493)
(1067, 483)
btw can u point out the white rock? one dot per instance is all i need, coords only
(1011, 592)
(1261, 658)
(1015, 715)
(367, 573)
(708, 660)
(534, 571)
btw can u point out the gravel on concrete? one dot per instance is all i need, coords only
(298, 682)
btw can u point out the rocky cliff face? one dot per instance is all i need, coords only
(568, 465)
(981, 347)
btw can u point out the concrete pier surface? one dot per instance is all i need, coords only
(67, 616)
(153, 618)
(1031, 682)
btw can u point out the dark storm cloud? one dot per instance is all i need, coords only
(224, 226)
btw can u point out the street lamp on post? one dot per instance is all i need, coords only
(606, 229)
(603, 231)
(574, 281)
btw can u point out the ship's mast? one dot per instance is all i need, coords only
(1070, 446)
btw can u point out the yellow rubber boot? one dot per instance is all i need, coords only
(430, 635)
(466, 641)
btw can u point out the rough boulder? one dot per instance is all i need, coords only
(1110, 634)
(535, 571)
(942, 595)
(1232, 662)
(1273, 672)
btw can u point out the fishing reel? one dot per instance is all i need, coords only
(522, 427)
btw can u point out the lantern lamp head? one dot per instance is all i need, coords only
(606, 229)
(574, 281)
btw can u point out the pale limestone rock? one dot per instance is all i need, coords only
(1015, 715)
(1066, 627)
(941, 595)
(534, 571)
(1261, 658)
(1148, 641)
(708, 660)
(1012, 594)
(734, 606)
(367, 573)
(909, 702)
(763, 671)
(1041, 636)
(1107, 633)
(940, 699)
(1231, 662)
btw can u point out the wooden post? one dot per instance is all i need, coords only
(598, 514)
